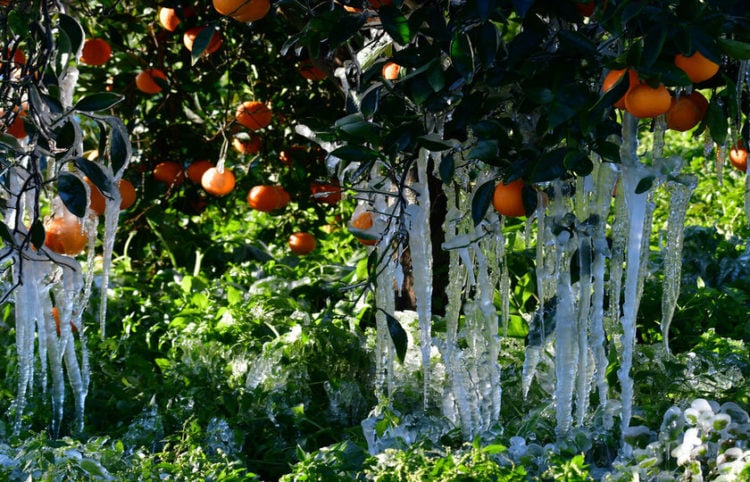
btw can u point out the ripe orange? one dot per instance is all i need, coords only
(64, 235)
(127, 194)
(96, 51)
(253, 114)
(613, 76)
(302, 243)
(191, 34)
(375, 4)
(309, 71)
(17, 128)
(267, 198)
(169, 172)
(169, 18)
(18, 56)
(243, 10)
(390, 70)
(218, 183)
(683, 114)
(697, 67)
(145, 82)
(326, 192)
(363, 221)
(508, 200)
(738, 157)
(700, 101)
(645, 101)
(196, 170)
(251, 145)
(56, 316)
(97, 203)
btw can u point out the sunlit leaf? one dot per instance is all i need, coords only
(395, 24)
(73, 31)
(94, 172)
(119, 147)
(735, 48)
(434, 142)
(355, 153)
(201, 43)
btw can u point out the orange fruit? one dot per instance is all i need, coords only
(700, 101)
(683, 114)
(379, 3)
(18, 56)
(363, 221)
(64, 235)
(169, 18)
(218, 183)
(127, 194)
(267, 198)
(302, 243)
(697, 67)
(191, 34)
(253, 114)
(644, 101)
(390, 70)
(613, 76)
(96, 51)
(17, 128)
(738, 157)
(508, 200)
(243, 10)
(56, 316)
(97, 203)
(326, 192)
(145, 82)
(251, 145)
(196, 170)
(169, 172)
(309, 71)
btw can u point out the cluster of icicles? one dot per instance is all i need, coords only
(589, 278)
(50, 290)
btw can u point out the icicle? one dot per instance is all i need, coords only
(606, 175)
(420, 246)
(566, 343)
(747, 199)
(504, 279)
(637, 207)
(678, 206)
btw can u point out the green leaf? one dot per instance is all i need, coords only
(434, 142)
(94, 172)
(484, 150)
(398, 336)
(355, 153)
(608, 150)
(735, 48)
(73, 31)
(578, 162)
(447, 168)
(550, 166)
(65, 135)
(37, 234)
(462, 55)
(201, 43)
(19, 21)
(644, 184)
(370, 100)
(717, 122)
(577, 44)
(395, 24)
(72, 193)
(98, 102)
(6, 235)
(119, 147)
(654, 44)
(481, 201)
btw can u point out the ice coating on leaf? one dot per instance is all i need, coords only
(680, 193)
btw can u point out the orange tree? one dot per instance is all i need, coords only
(487, 92)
